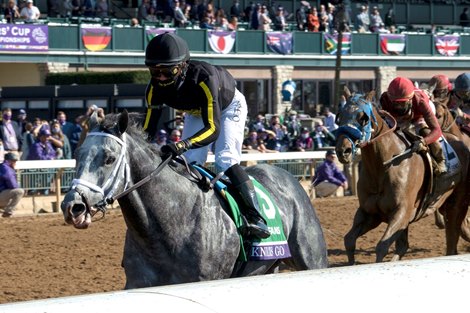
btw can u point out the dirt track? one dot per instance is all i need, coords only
(41, 257)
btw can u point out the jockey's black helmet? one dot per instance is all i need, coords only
(462, 82)
(166, 49)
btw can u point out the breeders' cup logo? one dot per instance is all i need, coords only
(39, 35)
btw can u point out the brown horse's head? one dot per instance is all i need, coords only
(356, 124)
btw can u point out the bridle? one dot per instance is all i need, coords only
(361, 135)
(109, 187)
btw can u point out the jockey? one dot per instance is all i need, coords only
(410, 105)
(215, 115)
(442, 89)
(461, 100)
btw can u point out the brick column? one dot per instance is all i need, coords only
(51, 67)
(385, 74)
(281, 73)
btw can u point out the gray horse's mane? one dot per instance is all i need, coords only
(134, 128)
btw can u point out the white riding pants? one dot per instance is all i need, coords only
(228, 146)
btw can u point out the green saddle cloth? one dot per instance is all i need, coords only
(256, 249)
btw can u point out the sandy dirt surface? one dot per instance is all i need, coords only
(42, 257)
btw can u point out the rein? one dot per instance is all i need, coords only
(392, 129)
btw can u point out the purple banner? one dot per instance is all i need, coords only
(24, 37)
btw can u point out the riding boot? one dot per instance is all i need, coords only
(438, 155)
(256, 225)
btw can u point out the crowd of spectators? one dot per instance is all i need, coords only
(205, 15)
(272, 134)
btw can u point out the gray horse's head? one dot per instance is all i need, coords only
(101, 169)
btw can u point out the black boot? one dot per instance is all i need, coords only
(256, 225)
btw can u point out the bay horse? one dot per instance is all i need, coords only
(177, 232)
(395, 193)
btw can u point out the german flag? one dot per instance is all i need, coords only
(96, 38)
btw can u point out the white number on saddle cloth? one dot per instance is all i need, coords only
(266, 204)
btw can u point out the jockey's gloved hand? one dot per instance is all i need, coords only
(175, 148)
(419, 146)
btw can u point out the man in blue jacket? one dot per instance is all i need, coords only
(10, 193)
(328, 177)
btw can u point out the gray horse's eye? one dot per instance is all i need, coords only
(109, 160)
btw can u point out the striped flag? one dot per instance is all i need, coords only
(96, 38)
(392, 43)
(331, 43)
(279, 42)
(221, 41)
(447, 45)
(151, 32)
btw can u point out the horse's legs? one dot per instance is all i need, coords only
(362, 223)
(401, 245)
(455, 217)
(394, 230)
(439, 220)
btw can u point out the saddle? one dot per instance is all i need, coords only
(253, 248)
(436, 186)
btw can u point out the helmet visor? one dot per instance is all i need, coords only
(463, 95)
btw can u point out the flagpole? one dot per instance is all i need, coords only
(341, 26)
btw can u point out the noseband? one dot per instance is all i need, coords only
(110, 185)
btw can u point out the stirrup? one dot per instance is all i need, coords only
(257, 228)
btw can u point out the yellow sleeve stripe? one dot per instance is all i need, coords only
(149, 110)
(210, 113)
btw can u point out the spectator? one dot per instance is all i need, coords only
(30, 13)
(221, 21)
(77, 8)
(313, 22)
(10, 193)
(77, 132)
(301, 15)
(258, 123)
(65, 8)
(323, 17)
(28, 140)
(67, 127)
(376, 22)
(252, 142)
(179, 17)
(464, 18)
(175, 136)
(322, 137)
(235, 9)
(328, 177)
(143, 10)
(389, 20)
(363, 20)
(304, 142)
(272, 142)
(88, 8)
(254, 20)
(264, 20)
(60, 142)
(11, 12)
(135, 22)
(206, 23)
(280, 23)
(21, 120)
(152, 16)
(293, 125)
(329, 120)
(10, 133)
(101, 8)
(233, 24)
(42, 149)
(161, 139)
(330, 22)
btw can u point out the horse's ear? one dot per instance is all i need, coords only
(123, 121)
(346, 92)
(94, 121)
(370, 96)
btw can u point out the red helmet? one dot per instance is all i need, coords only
(401, 89)
(441, 82)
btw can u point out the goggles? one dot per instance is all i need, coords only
(440, 93)
(463, 95)
(401, 108)
(166, 71)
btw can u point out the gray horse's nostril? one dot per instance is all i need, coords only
(78, 209)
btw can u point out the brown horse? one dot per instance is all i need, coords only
(394, 184)
(452, 132)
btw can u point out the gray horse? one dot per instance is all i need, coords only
(176, 232)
